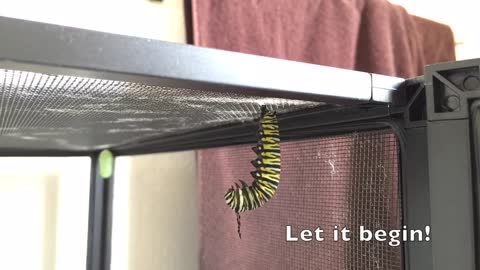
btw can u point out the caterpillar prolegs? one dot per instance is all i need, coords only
(267, 174)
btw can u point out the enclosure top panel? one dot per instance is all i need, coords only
(63, 88)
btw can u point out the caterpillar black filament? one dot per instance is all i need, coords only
(267, 174)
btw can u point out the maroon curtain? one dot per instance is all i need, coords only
(367, 35)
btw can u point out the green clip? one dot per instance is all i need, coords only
(105, 164)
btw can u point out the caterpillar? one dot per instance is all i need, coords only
(266, 176)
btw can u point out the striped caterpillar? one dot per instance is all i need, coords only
(267, 174)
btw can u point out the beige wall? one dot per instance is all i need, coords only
(157, 219)
(460, 15)
(155, 213)
(44, 213)
(141, 18)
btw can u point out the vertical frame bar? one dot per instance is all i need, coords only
(438, 191)
(100, 219)
(440, 174)
(451, 195)
(416, 197)
(475, 126)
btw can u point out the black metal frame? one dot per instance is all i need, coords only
(436, 118)
(77, 52)
(440, 176)
(99, 219)
(475, 126)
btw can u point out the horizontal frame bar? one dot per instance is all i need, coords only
(79, 52)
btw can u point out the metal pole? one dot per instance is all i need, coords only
(100, 219)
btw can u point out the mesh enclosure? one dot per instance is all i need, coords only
(76, 113)
(347, 180)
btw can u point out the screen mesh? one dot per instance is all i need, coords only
(76, 113)
(347, 180)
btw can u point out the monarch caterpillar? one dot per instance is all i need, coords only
(267, 174)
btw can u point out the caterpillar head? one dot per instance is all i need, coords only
(229, 197)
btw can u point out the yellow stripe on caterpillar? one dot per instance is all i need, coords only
(271, 133)
(266, 154)
(271, 146)
(271, 161)
(269, 127)
(269, 170)
(267, 186)
(271, 140)
(272, 177)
